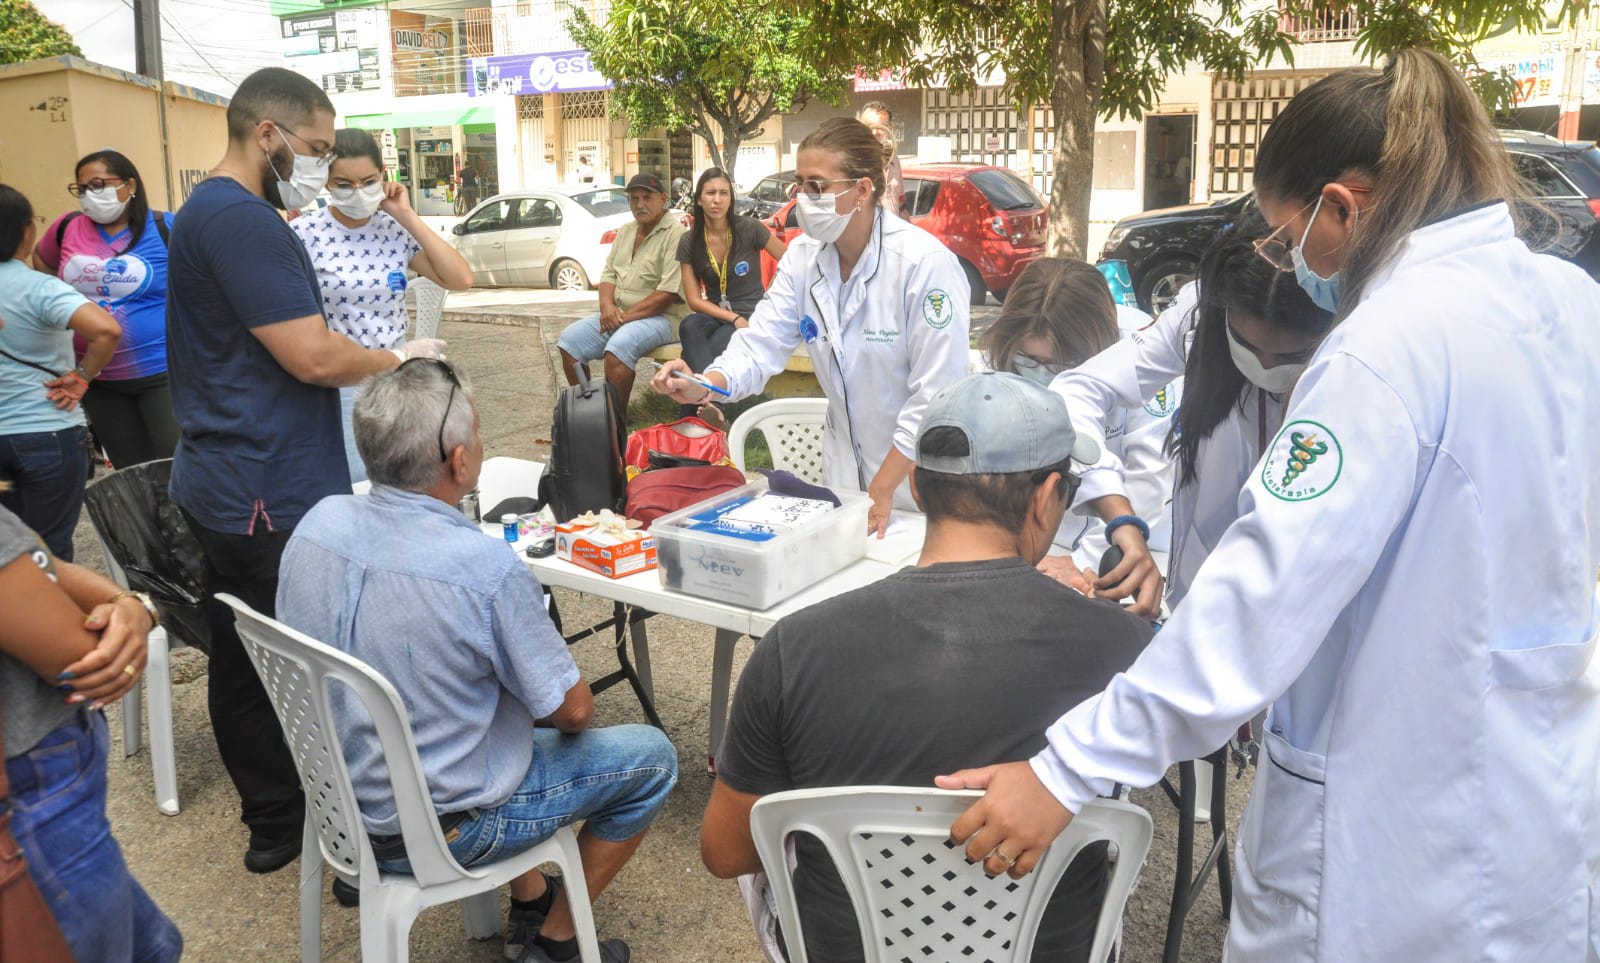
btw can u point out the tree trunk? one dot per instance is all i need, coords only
(1077, 29)
(731, 139)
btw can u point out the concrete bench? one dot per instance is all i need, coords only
(796, 380)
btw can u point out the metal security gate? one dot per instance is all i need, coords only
(586, 137)
(1241, 112)
(981, 125)
(530, 139)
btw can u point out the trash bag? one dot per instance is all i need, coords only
(147, 535)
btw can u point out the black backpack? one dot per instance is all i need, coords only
(588, 436)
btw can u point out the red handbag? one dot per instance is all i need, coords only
(665, 490)
(684, 438)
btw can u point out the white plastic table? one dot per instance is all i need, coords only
(507, 477)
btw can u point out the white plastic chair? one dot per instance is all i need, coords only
(297, 672)
(158, 673)
(915, 895)
(430, 307)
(793, 430)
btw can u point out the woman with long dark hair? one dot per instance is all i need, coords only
(721, 263)
(113, 250)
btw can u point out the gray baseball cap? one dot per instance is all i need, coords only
(1012, 425)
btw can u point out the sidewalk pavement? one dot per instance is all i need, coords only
(663, 903)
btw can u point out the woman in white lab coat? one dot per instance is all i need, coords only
(1236, 340)
(1411, 581)
(1059, 315)
(881, 306)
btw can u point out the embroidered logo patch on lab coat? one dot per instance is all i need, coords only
(1305, 462)
(1163, 404)
(937, 310)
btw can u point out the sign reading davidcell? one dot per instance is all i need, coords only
(546, 73)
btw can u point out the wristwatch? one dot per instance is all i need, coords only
(143, 599)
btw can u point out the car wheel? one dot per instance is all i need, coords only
(568, 275)
(1001, 295)
(1161, 283)
(975, 282)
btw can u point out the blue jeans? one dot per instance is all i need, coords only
(583, 339)
(58, 812)
(616, 778)
(47, 471)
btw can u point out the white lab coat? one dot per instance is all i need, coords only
(1142, 376)
(886, 341)
(1417, 604)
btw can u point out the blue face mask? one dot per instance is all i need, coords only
(1323, 291)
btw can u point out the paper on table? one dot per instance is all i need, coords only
(899, 545)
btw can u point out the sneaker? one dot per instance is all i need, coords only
(346, 895)
(523, 925)
(267, 856)
(611, 951)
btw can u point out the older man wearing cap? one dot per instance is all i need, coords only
(641, 293)
(954, 658)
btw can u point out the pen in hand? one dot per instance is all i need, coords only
(702, 383)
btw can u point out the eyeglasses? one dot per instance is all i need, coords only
(455, 383)
(324, 157)
(1277, 248)
(94, 184)
(1023, 361)
(816, 187)
(1072, 480)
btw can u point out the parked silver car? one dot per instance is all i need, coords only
(544, 236)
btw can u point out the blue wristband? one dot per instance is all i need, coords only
(1134, 520)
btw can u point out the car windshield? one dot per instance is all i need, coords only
(1005, 190)
(603, 203)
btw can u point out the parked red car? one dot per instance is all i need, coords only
(991, 219)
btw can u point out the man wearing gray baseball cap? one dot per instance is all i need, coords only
(868, 688)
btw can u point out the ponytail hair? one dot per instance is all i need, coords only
(1415, 129)
(1233, 278)
(860, 154)
(1062, 300)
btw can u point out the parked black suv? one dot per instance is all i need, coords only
(1162, 248)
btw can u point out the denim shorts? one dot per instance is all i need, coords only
(616, 779)
(583, 339)
(58, 813)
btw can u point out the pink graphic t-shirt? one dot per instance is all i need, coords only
(131, 285)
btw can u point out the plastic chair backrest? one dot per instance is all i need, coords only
(793, 430)
(915, 895)
(297, 671)
(430, 307)
(150, 546)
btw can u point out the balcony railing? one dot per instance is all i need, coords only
(539, 26)
(1322, 26)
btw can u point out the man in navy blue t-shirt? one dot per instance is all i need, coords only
(254, 371)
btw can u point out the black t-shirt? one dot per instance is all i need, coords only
(743, 266)
(928, 671)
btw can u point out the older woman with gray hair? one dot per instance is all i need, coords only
(456, 622)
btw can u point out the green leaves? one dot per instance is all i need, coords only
(26, 34)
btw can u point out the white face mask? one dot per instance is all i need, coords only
(820, 218)
(307, 177)
(1277, 380)
(102, 206)
(356, 203)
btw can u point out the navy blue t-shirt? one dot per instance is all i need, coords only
(258, 447)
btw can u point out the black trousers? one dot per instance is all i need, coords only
(133, 419)
(249, 737)
(703, 339)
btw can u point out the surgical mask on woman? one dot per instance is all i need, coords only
(1036, 371)
(102, 206)
(820, 218)
(1276, 380)
(356, 203)
(1324, 291)
(307, 177)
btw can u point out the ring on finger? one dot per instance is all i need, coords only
(1008, 860)
(130, 671)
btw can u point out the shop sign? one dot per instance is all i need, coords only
(565, 72)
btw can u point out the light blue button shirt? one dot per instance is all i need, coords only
(452, 618)
(35, 308)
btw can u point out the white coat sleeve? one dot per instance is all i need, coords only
(762, 349)
(1125, 375)
(1148, 469)
(1310, 531)
(938, 351)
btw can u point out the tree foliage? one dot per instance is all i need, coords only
(721, 71)
(1109, 58)
(26, 34)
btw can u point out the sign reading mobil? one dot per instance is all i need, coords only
(546, 73)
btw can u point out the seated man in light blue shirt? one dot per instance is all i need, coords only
(457, 623)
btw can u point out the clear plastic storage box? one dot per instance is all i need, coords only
(758, 574)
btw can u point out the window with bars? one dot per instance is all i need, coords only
(585, 104)
(530, 106)
(981, 125)
(1241, 112)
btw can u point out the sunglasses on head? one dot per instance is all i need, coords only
(455, 383)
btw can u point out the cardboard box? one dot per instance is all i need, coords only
(584, 546)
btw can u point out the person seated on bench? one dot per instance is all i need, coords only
(952, 659)
(641, 293)
(456, 622)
